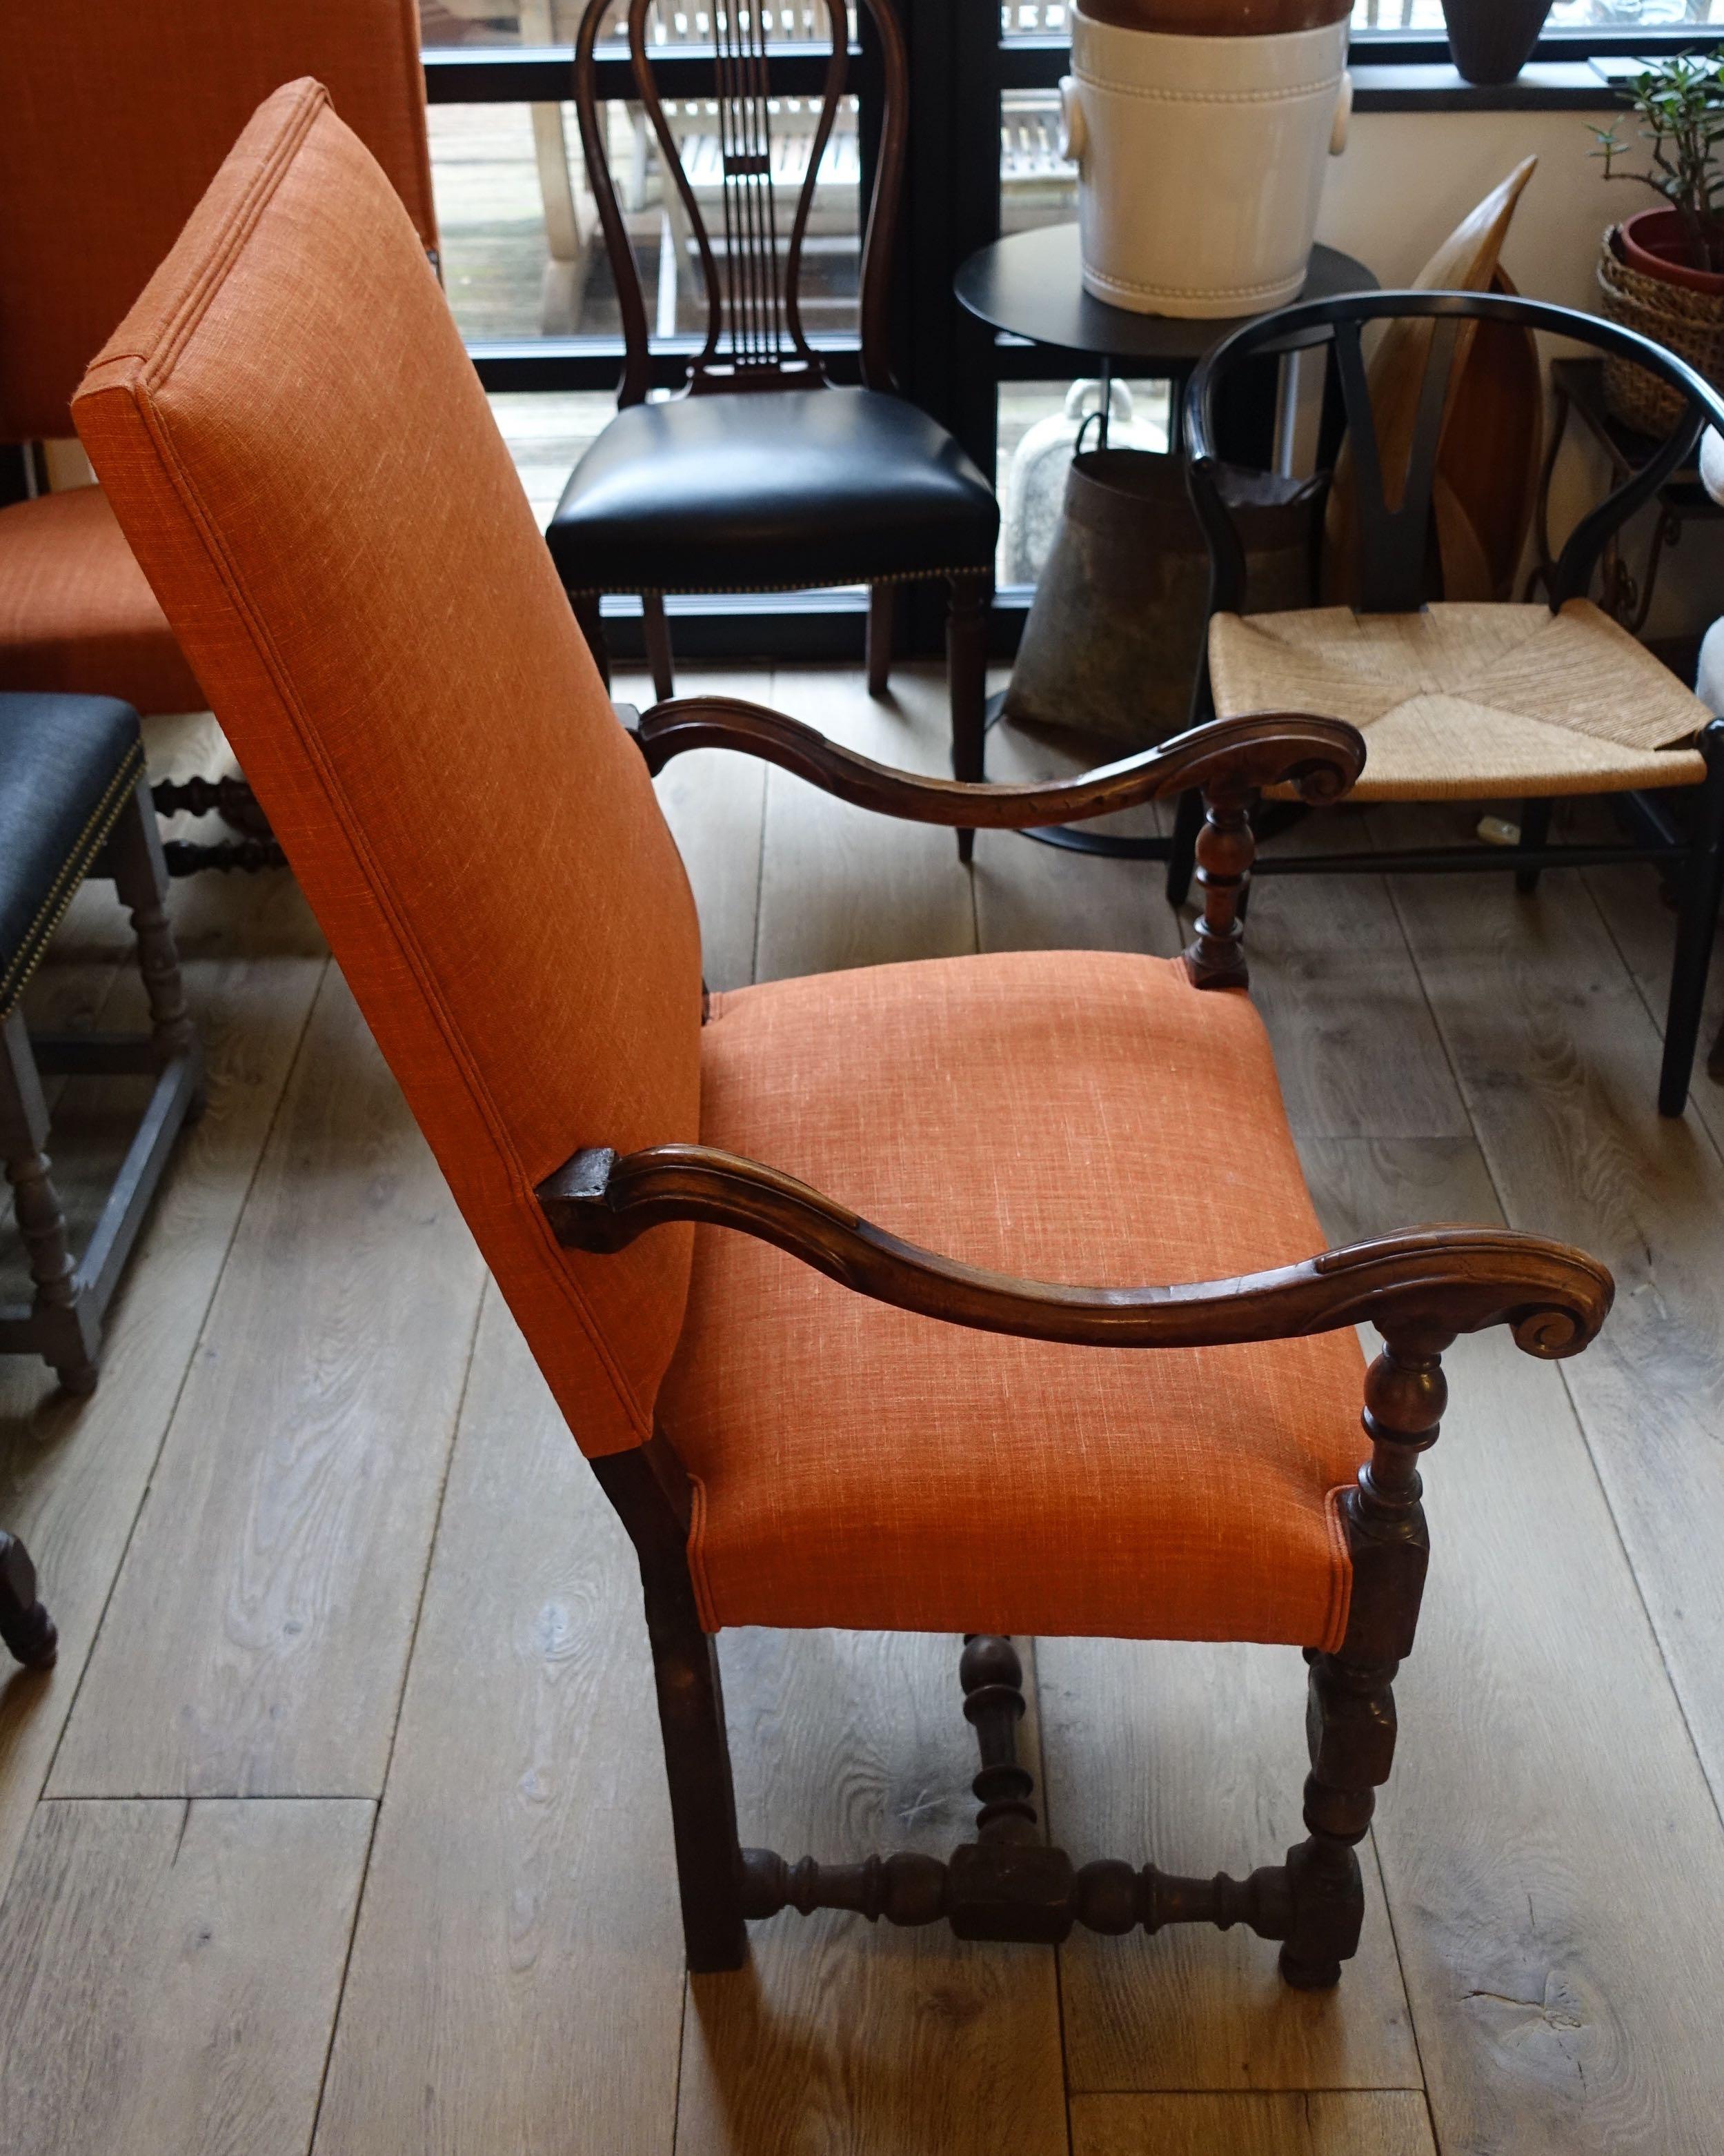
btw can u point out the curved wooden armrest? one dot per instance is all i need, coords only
(1321, 759)
(1435, 1281)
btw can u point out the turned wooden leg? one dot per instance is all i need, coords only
(26, 1628)
(656, 629)
(1351, 1718)
(992, 1680)
(966, 668)
(586, 611)
(1225, 849)
(134, 859)
(1351, 1729)
(41, 1219)
(882, 628)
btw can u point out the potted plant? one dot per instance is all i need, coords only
(1661, 271)
(1492, 40)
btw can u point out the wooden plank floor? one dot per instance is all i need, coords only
(340, 1828)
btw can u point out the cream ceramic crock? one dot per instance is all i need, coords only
(1201, 163)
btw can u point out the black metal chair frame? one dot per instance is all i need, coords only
(755, 337)
(1392, 573)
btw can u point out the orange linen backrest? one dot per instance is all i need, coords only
(299, 451)
(114, 116)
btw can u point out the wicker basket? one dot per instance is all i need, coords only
(1690, 324)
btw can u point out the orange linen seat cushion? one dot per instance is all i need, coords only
(1085, 1117)
(77, 612)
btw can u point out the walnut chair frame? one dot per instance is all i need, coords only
(1392, 579)
(1420, 1290)
(755, 338)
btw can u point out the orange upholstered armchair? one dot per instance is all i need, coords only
(114, 117)
(802, 1418)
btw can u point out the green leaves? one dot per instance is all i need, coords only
(1680, 104)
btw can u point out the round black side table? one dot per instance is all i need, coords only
(1030, 285)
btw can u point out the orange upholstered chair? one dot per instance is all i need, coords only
(802, 1418)
(114, 117)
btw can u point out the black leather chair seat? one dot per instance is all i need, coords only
(780, 490)
(68, 765)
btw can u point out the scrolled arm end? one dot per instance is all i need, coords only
(1443, 1282)
(1320, 757)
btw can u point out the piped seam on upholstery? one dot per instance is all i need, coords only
(1341, 1574)
(697, 1556)
(245, 217)
(242, 219)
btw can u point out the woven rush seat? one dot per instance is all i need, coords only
(1471, 701)
(861, 1467)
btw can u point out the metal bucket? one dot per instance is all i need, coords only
(1112, 644)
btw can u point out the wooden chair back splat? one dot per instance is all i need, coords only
(755, 337)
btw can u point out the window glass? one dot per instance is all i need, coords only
(495, 23)
(522, 256)
(1044, 19)
(446, 23)
(1566, 15)
(547, 432)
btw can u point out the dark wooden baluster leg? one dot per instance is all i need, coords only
(993, 1679)
(586, 606)
(26, 1628)
(656, 627)
(1225, 850)
(882, 627)
(1350, 1719)
(135, 859)
(697, 1755)
(966, 668)
(41, 1219)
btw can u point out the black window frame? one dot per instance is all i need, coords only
(961, 64)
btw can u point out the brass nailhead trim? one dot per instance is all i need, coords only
(72, 871)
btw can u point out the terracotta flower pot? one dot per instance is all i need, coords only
(1492, 40)
(1220, 19)
(1654, 243)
